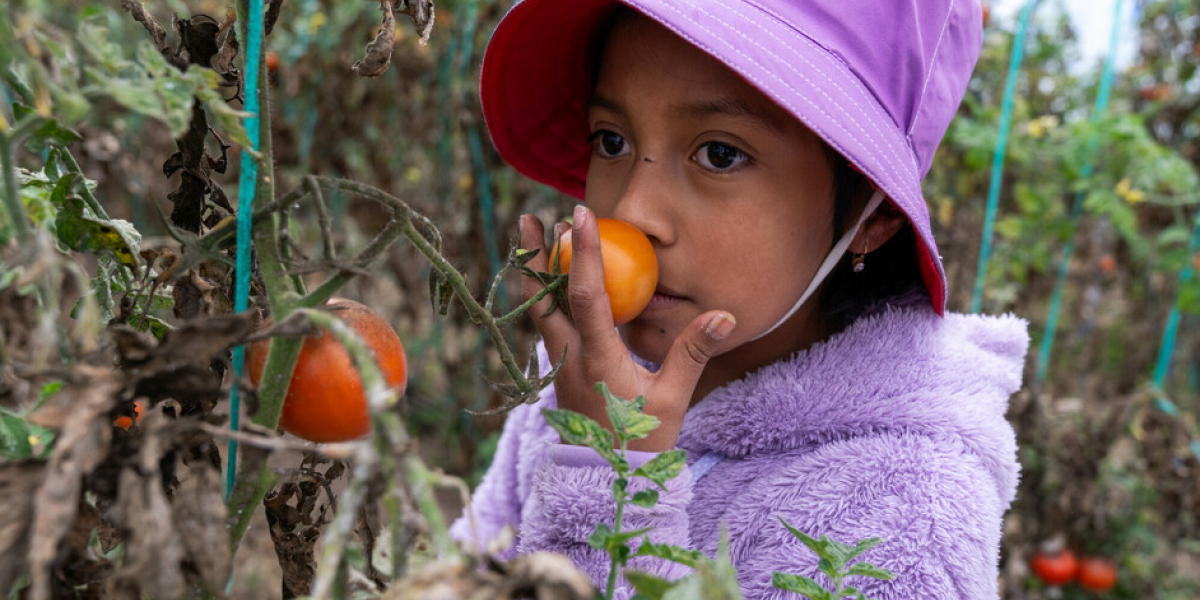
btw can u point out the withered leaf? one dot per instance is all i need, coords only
(199, 517)
(18, 481)
(379, 52)
(82, 444)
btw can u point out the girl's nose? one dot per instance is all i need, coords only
(646, 200)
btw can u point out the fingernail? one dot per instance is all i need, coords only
(558, 230)
(718, 327)
(521, 224)
(580, 215)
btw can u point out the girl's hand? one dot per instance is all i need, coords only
(595, 351)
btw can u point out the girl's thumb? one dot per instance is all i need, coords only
(692, 349)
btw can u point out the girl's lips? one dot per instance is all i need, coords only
(664, 298)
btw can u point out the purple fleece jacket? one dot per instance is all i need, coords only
(893, 428)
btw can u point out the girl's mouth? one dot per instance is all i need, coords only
(664, 298)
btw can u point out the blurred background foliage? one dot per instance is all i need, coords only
(1109, 468)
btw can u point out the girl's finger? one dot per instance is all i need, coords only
(555, 328)
(589, 302)
(697, 343)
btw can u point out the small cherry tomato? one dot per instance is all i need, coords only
(1108, 264)
(272, 61)
(125, 422)
(1096, 573)
(325, 400)
(1055, 569)
(630, 267)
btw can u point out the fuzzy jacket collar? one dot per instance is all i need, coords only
(901, 370)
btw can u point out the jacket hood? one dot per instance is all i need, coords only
(901, 371)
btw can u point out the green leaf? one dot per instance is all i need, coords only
(663, 467)
(89, 234)
(582, 431)
(649, 586)
(837, 552)
(228, 118)
(863, 546)
(627, 416)
(675, 554)
(50, 133)
(14, 437)
(604, 538)
(869, 570)
(599, 537)
(800, 584)
(816, 546)
(645, 498)
(688, 588)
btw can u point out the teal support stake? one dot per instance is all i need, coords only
(1163, 365)
(989, 220)
(1102, 96)
(246, 185)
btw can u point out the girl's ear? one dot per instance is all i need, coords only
(878, 229)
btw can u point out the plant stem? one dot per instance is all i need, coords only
(475, 311)
(15, 82)
(12, 202)
(88, 197)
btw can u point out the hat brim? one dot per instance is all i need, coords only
(539, 71)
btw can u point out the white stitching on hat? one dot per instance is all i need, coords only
(830, 58)
(868, 134)
(929, 75)
(911, 165)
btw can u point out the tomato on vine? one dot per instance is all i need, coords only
(630, 267)
(1096, 573)
(125, 421)
(326, 401)
(1055, 569)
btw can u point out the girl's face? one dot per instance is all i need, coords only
(734, 193)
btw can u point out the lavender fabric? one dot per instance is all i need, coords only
(893, 428)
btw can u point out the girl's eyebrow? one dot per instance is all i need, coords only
(728, 106)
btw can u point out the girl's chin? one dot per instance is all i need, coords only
(648, 342)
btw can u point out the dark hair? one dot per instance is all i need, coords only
(891, 274)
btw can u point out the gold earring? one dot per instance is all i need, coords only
(857, 262)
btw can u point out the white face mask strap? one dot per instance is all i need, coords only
(831, 261)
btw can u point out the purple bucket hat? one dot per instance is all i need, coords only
(878, 80)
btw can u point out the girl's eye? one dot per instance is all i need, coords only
(609, 144)
(717, 156)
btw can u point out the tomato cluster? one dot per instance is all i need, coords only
(1094, 573)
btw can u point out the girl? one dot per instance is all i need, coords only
(796, 345)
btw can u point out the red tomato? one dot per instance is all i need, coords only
(272, 60)
(1108, 264)
(125, 422)
(1055, 569)
(630, 267)
(1097, 573)
(325, 400)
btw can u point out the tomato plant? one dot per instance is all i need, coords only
(630, 267)
(1097, 573)
(1055, 569)
(326, 401)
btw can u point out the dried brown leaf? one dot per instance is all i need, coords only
(18, 481)
(379, 52)
(82, 443)
(420, 12)
(199, 517)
